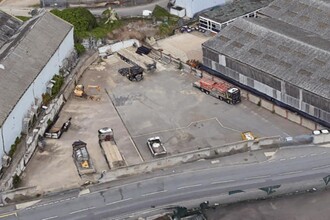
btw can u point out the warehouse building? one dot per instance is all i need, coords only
(283, 56)
(219, 17)
(190, 7)
(31, 54)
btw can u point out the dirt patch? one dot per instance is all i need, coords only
(134, 30)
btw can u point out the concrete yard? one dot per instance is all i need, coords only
(163, 104)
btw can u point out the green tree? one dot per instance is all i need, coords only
(81, 18)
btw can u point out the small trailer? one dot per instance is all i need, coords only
(156, 146)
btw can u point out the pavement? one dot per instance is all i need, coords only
(177, 186)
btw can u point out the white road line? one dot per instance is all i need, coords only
(174, 129)
(321, 167)
(138, 152)
(52, 217)
(153, 193)
(257, 177)
(191, 186)
(81, 210)
(288, 173)
(303, 156)
(282, 159)
(312, 155)
(292, 158)
(224, 181)
(123, 200)
(323, 152)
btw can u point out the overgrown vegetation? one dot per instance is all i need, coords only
(86, 25)
(13, 147)
(79, 48)
(23, 18)
(59, 80)
(16, 181)
(169, 21)
(46, 98)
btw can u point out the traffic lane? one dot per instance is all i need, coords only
(228, 174)
(89, 204)
(132, 205)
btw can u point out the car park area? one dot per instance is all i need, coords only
(163, 104)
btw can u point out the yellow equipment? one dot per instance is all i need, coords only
(248, 136)
(79, 91)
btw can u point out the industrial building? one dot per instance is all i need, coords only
(283, 56)
(189, 8)
(219, 17)
(31, 54)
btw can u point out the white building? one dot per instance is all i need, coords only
(191, 7)
(32, 54)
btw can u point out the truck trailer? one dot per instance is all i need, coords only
(110, 149)
(219, 89)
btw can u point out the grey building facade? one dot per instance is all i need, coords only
(279, 56)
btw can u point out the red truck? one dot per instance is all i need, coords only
(219, 89)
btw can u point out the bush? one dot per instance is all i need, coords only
(46, 98)
(59, 80)
(16, 181)
(13, 147)
(81, 18)
(79, 48)
(23, 18)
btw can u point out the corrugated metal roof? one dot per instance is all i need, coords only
(8, 27)
(311, 15)
(26, 56)
(280, 49)
(234, 9)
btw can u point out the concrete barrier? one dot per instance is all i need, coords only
(267, 105)
(294, 117)
(206, 153)
(20, 194)
(280, 111)
(254, 99)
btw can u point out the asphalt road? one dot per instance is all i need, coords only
(133, 11)
(123, 200)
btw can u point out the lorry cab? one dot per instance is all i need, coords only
(235, 95)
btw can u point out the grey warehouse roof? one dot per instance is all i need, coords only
(311, 15)
(26, 55)
(233, 10)
(8, 27)
(285, 51)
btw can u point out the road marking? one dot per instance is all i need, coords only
(123, 200)
(323, 152)
(282, 159)
(81, 210)
(257, 177)
(215, 161)
(52, 217)
(8, 214)
(136, 149)
(288, 173)
(312, 155)
(191, 186)
(153, 193)
(224, 181)
(292, 158)
(321, 167)
(303, 156)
